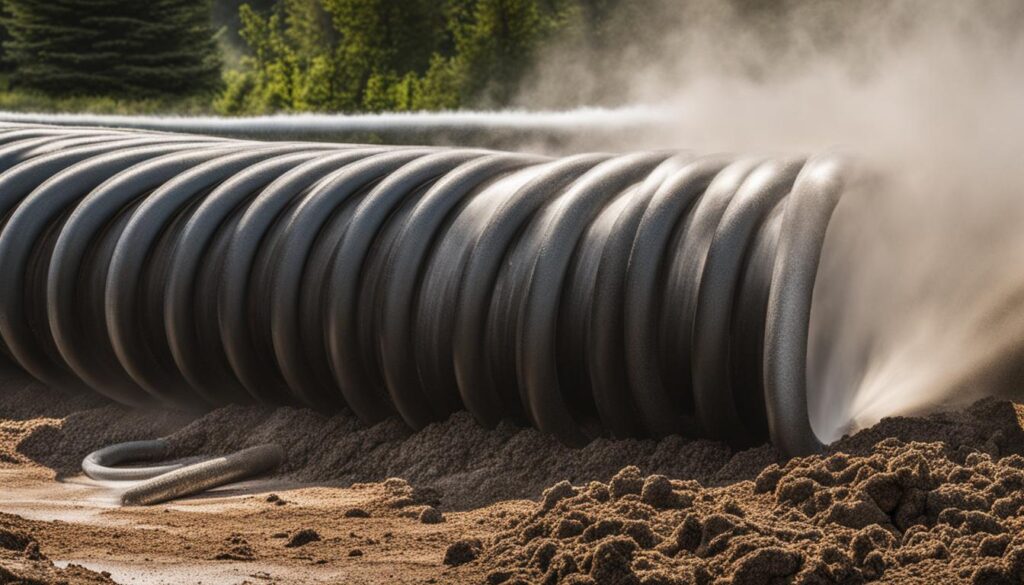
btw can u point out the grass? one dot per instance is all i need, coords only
(18, 101)
(26, 101)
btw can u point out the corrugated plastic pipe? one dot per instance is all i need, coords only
(592, 295)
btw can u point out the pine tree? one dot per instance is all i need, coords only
(123, 48)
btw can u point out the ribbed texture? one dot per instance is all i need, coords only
(589, 295)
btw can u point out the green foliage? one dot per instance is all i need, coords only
(26, 101)
(123, 48)
(225, 18)
(438, 89)
(321, 55)
(381, 55)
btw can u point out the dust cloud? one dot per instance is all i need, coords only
(920, 298)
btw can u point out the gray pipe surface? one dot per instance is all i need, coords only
(100, 464)
(595, 295)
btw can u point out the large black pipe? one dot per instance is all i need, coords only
(593, 295)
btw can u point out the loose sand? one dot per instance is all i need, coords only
(910, 500)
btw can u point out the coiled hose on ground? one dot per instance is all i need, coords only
(598, 294)
(160, 483)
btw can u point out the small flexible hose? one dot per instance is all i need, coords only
(200, 477)
(99, 464)
(175, 480)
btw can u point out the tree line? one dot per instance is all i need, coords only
(291, 55)
(123, 48)
(376, 55)
(260, 56)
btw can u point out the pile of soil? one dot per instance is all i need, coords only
(879, 505)
(61, 443)
(466, 464)
(55, 429)
(21, 560)
(23, 398)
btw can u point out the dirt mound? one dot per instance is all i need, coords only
(235, 548)
(949, 509)
(23, 397)
(466, 464)
(57, 430)
(62, 443)
(21, 560)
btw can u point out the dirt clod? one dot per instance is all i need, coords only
(462, 551)
(302, 537)
(431, 515)
(236, 548)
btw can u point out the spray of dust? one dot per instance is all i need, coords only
(617, 119)
(920, 298)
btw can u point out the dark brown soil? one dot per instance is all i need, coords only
(881, 505)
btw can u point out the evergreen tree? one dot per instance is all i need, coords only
(123, 48)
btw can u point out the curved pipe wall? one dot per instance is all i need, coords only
(624, 295)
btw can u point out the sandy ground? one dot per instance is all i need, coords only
(235, 535)
(243, 533)
(938, 498)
